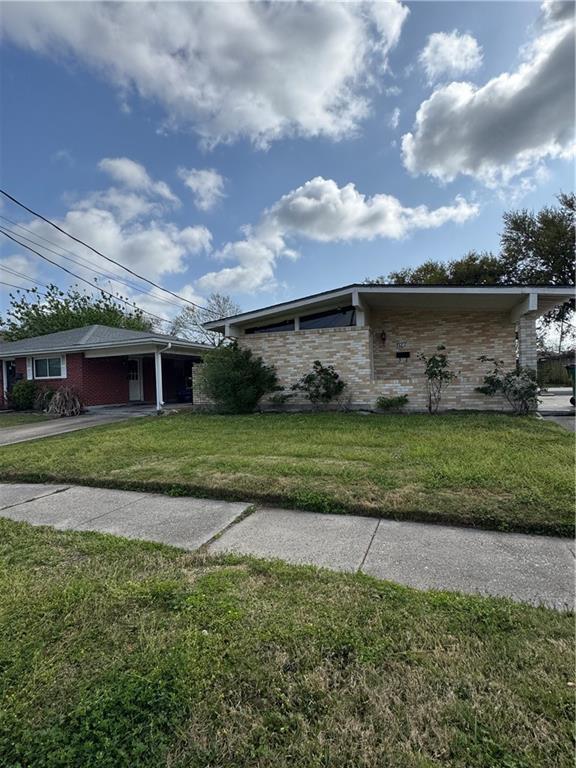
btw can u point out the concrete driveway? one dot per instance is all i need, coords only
(94, 417)
(532, 569)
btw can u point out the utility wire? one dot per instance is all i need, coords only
(78, 277)
(22, 275)
(11, 285)
(107, 275)
(98, 253)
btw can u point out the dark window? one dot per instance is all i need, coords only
(283, 325)
(332, 318)
(48, 367)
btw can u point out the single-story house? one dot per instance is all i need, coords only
(106, 366)
(372, 335)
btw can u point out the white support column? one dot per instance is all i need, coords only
(359, 307)
(231, 331)
(4, 382)
(158, 376)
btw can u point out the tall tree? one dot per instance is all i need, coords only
(538, 249)
(31, 313)
(472, 269)
(189, 323)
(535, 249)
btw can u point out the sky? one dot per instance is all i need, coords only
(272, 150)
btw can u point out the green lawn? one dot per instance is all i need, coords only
(493, 471)
(13, 419)
(117, 654)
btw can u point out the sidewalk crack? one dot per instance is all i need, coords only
(36, 498)
(108, 512)
(369, 546)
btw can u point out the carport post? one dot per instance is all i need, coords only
(158, 376)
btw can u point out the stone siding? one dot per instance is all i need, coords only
(370, 367)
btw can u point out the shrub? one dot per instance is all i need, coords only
(23, 395)
(321, 385)
(65, 402)
(391, 403)
(280, 397)
(438, 375)
(235, 379)
(519, 386)
(42, 399)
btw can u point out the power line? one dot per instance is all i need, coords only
(112, 261)
(22, 275)
(11, 285)
(107, 275)
(78, 277)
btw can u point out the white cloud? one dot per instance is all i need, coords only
(450, 54)
(256, 70)
(509, 126)
(129, 225)
(134, 176)
(321, 211)
(206, 185)
(394, 119)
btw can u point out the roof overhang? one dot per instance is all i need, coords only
(147, 346)
(516, 300)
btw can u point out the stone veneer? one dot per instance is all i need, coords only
(370, 367)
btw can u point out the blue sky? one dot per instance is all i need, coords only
(109, 111)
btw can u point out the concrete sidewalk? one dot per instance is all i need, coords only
(182, 522)
(533, 569)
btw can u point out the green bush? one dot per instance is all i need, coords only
(438, 375)
(519, 386)
(235, 379)
(391, 403)
(321, 385)
(23, 395)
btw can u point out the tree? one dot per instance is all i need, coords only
(473, 269)
(235, 379)
(32, 313)
(535, 249)
(538, 249)
(189, 323)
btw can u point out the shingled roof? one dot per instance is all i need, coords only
(88, 337)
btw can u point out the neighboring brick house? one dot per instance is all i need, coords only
(106, 366)
(372, 335)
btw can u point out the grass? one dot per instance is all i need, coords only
(117, 653)
(492, 471)
(13, 419)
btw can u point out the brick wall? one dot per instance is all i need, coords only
(294, 352)
(98, 380)
(528, 341)
(105, 381)
(466, 337)
(370, 366)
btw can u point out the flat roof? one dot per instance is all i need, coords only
(370, 291)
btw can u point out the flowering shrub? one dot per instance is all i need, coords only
(519, 386)
(438, 375)
(321, 385)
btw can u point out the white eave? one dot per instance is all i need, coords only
(516, 300)
(104, 349)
